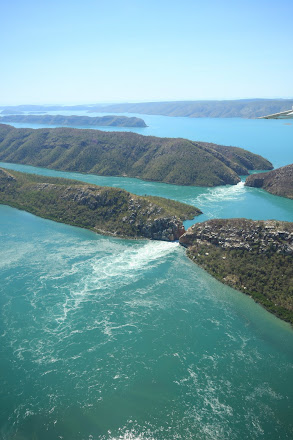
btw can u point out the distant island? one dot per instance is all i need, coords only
(108, 211)
(12, 111)
(102, 121)
(169, 160)
(278, 182)
(255, 257)
(241, 108)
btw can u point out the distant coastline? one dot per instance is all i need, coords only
(241, 108)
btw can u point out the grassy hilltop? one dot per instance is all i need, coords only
(169, 160)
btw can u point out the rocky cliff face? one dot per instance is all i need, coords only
(242, 234)
(255, 257)
(278, 182)
(145, 218)
(110, 211)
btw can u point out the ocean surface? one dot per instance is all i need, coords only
(105, 339)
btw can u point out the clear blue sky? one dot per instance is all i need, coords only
(116, 51)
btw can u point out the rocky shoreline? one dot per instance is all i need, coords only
(109, 211)
(255, 257)
(278, 182)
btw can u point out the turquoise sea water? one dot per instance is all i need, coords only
(106, 338)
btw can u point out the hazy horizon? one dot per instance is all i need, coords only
(68, 52)
(75, 103)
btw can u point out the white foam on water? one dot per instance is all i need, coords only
(100, 276)
(10, 258)
(126, 434)
(222, 193)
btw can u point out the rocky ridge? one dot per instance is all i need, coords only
(278, 182)
(169, 160)
(98, 121)
(242, 234)
(255, 257)
(110, 211)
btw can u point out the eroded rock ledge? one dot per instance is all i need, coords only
(255, 257)
(242, 234)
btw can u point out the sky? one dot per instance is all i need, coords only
(91, 51)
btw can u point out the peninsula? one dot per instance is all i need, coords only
(278, 182)
(101, 121)
(108, 211)
(169, 160)
(255, 257)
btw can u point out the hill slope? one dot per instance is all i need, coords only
(110, 211)
(177, 161)
(278, 182)
(106, 121)
(242, 108)
(238, 108)
(255, 257)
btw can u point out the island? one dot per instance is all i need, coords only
(12, 111)
(168, 160)
(101, 121)
(105, 210)
(278, 182)
(254, 257)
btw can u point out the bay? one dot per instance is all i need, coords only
(105, 338)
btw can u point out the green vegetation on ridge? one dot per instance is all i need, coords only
(278, 182)
(169, 160)
(106, 121)
(110, 211)
(255, 257)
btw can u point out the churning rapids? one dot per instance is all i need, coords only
(105, 339)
